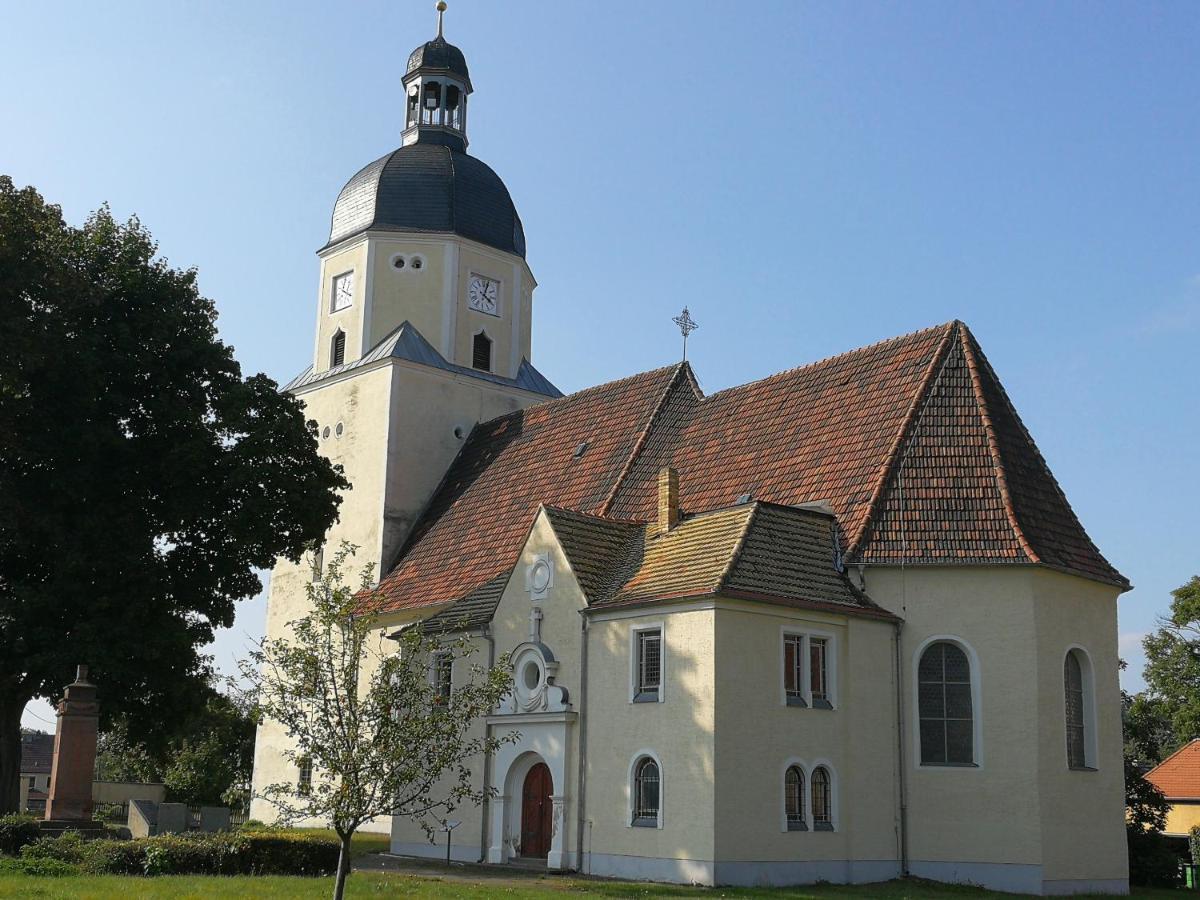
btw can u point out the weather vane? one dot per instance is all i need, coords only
(686, 326)
(441, 8)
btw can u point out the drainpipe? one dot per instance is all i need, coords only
(900, 753)
(486, 806)
(581, 817)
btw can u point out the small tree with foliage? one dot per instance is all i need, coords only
(1169, 709)
(1151, 861)
(380, 737)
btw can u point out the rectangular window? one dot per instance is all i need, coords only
(648, 666)
(304, 782)
(793, 669)
(443, 675)
(818, 673)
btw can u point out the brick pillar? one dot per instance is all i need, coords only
(74, 752)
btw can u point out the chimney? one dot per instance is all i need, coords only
(668, 499)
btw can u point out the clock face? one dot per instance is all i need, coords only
(343, 291)
(483, 294)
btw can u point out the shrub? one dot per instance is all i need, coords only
(225, 853)
(1152, 862)
(39, 867)
(16, 832)
(254, 825)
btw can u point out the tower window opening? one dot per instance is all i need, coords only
(398, 262)
(413, 102)
(481, 352)
(417, 262)
(452, 106)
(337, 349)
(433, 96)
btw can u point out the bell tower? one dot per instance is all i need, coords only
(423, 328)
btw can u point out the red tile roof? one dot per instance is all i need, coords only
(912, 441)
(1178, 776)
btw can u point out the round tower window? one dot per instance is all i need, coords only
(325, 433)
(339, 429)
(531, 675)
(398, 262)
(417, 262)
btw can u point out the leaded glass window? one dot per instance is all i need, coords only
(944, 706)
(793, 798)
(822, 799)
(1076, 740)
(646, 793)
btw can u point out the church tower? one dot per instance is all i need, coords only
(424, 312)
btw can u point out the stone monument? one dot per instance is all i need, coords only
(70, 801)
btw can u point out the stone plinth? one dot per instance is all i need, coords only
(74, 753)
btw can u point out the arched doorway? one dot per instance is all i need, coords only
(537, 822)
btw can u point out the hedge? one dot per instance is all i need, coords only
(223, 853)
(40, 867)
(16, 832)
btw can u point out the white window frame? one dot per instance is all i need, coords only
(976, 705)
(435, 659)
(831, 665)
(634, 631)
(1087, 672)
(630, 791)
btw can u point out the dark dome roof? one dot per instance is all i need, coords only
(438, 54)
(430, 187)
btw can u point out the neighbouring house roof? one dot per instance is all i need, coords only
(37, 754)
(405, 342)
(1178, 776)
(914, 431)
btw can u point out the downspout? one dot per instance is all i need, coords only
(900, 752)
(581, 817)
(486, 806)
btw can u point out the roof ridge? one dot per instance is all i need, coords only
(936, 363)
(993, 443)
(828, 359)
(737, 548)
(681, 368)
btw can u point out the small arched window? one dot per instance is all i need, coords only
(944, 706)
(1077, 690)
(481, 352)
(337, 349)
(793, 799)
(647, 795)
(822, 799)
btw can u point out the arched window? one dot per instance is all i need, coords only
(822, 799)
(944, 706)
(481, 352)
(793, 799)
(337, 349)
(1077, 688)
(646, 793)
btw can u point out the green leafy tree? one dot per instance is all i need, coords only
(1167, 713)
(144, 482)
(380, 738)
(1151, 860)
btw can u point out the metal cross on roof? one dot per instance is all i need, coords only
(686, 326)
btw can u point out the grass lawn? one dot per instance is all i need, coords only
(468, 884)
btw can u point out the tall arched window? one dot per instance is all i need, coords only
(337, 349)
(647, 795)
(944, 706)
(822, 799)
(481, 352)
(793, 799)
(1077, 689)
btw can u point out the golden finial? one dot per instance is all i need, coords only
(441, 8)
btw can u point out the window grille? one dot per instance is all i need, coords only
(1073, 682)
(822, 799)
(649, 665)
(944, 706)
(443, 675)
(337, 354)
(818, 674)
(793, 669)
(481, 353)
(793, 796)
(304, 781)
(646, 794)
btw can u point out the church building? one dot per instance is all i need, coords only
(838, 624)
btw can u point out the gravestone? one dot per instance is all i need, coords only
(70, 802)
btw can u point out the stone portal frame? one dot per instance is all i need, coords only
(543, 738)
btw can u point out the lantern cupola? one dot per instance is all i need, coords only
(436, 85)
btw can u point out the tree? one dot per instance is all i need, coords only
(379, 736)
(1167, 713)
(1151, 861)
(143, 481)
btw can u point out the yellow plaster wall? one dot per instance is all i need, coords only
(1183, 816)
(352, 257)
(756, 733)
(966, 814)
(679, 730)
(1082, 813)
(408, 294)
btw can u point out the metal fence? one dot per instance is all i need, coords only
(118, 813)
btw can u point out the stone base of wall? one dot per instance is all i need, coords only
(1014, 877)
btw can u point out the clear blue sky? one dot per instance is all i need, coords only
(808, 178)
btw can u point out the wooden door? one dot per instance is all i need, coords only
(537, 812)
